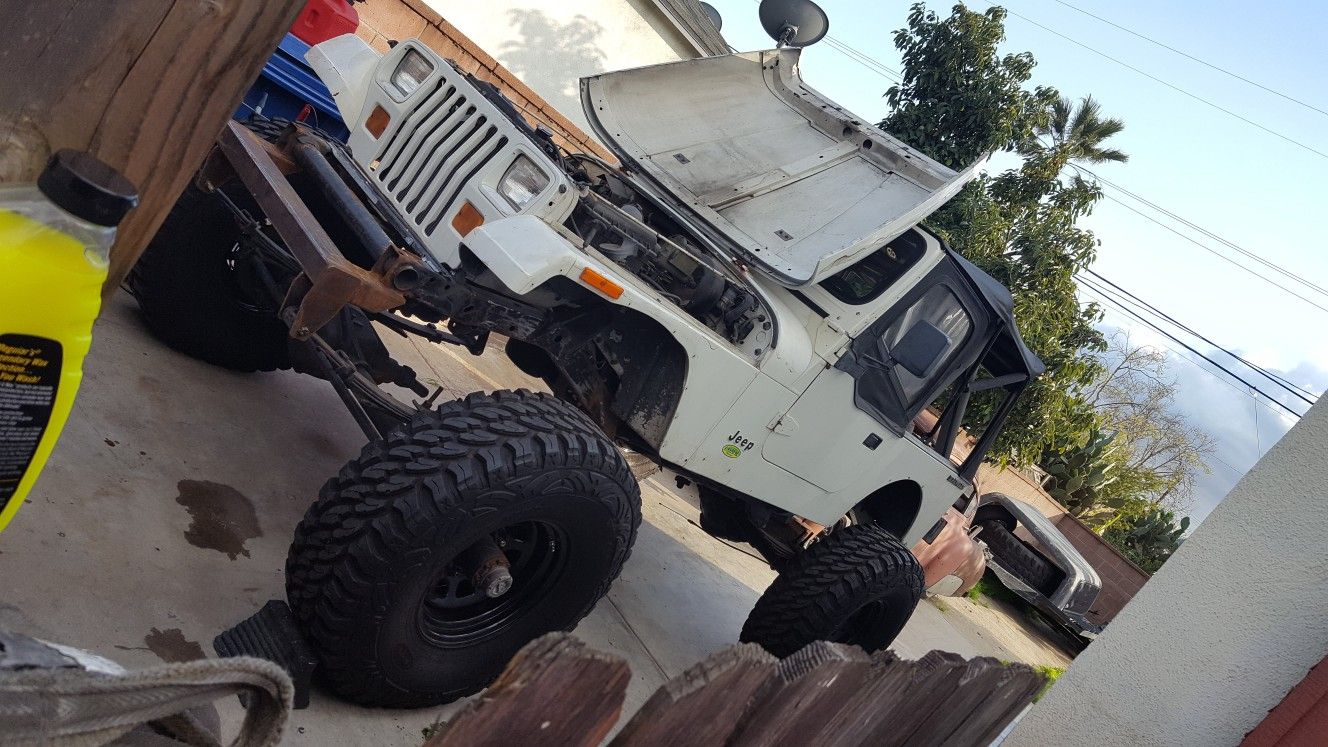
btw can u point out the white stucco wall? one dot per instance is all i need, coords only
(1233, 621)
(550, 44)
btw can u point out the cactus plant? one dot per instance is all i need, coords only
(1079, 475)
(1149, 538)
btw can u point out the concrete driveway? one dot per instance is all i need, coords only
(164, 516)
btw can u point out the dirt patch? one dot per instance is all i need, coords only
(1006, 629)
(223, 518)
(170, 645)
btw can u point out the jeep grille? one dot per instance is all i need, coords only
(442, 144)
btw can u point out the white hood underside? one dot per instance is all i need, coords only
(801, 187)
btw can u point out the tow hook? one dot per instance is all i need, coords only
(488, 567)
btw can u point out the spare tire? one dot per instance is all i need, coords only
(1020, 559)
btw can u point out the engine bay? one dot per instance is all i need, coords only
(624, 225)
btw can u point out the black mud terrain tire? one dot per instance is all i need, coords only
(859, 585)
(187, 291)
(1019, 558)
(373, 574)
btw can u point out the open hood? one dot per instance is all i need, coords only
(787, 179)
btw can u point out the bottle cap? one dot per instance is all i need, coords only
(87, 188)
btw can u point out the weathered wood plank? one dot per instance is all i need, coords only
(555, 691)
(702, 706)
(145, 85)
(813, 684)
(987, 708)
(865, 711)
(940, 699)
(932, 680)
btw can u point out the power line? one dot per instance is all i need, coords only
(866, 57)
(1296, 391)
(863, 60)
(1152, 325)
(1129, 298)
(1189, 56)
(1172, 86)
(1191, 224)
(1116, 307)
(1290, 387)
(1216, 253)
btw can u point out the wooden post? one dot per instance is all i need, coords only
(145, 85)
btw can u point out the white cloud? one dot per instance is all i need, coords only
(1243, 427)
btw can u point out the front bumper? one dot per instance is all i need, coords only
(329, 280)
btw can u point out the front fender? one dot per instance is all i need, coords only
(524, 252)
(346, 66)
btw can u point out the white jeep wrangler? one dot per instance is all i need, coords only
(746, 298)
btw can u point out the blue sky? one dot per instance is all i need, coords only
(1254, 189)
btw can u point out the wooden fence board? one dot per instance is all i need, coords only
(1011, 694)
(555, 691)
(813, 683)
(868, 710)
(702, 706)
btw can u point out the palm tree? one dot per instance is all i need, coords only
(1076, 134)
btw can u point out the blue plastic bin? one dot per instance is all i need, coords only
(289, 84)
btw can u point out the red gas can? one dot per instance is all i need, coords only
(323, 19)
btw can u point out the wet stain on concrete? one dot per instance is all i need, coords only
(170, 645)
(223, 518)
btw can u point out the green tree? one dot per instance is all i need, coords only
(958, 100)
(1150, 538)
(1077, 134)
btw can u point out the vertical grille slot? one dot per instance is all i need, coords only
(407, 130)
(455, 185)
(426, 177)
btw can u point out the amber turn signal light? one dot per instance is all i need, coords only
(378, 121)
(601, 283)
(467, 219)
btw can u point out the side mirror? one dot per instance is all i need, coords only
(921, 348)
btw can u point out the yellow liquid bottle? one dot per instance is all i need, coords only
(54, 241)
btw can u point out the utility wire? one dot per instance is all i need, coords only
(1296, 391)
(1155, 327)
(862, 59)
(864, 56)
(1290, 387)
(1134, 301)
(1172, 86)
(1191, 224)
(1115, 307)
(1216, 253)
(1189, 56)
